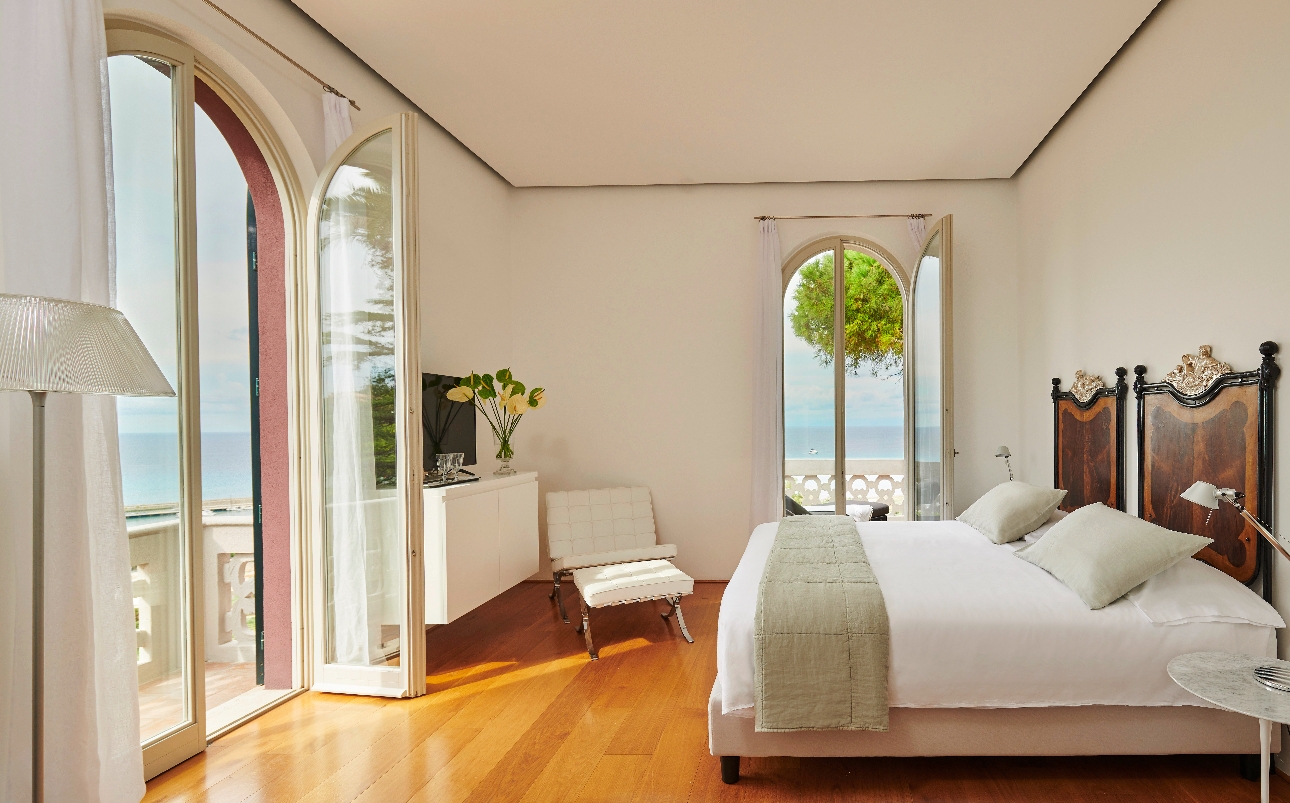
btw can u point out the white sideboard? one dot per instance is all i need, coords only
(481, 538)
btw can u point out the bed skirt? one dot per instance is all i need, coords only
(1089, 730)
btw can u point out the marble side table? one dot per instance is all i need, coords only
(1227, 680)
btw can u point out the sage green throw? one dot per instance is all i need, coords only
(821, 637)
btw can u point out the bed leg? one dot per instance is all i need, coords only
(730, 769)
(1250, 766)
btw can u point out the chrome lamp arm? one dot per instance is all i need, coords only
(1207, 495)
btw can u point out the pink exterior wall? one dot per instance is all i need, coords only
(274, 461)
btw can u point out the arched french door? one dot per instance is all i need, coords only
(367, 598)
(855, 405)
(199, 217)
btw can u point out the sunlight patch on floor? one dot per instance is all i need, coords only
(537, 670)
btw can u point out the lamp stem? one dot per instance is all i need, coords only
(1258, 525)
(38, 596)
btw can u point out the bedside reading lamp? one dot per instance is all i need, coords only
(50, 345)
(1207, 495)
(1006, 454)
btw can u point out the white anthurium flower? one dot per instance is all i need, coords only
(460, 394)
(505, 395)
(516, 405)
(538, 399)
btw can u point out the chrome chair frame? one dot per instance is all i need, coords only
(673, 599)
(555, 592)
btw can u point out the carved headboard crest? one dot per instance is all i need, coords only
(1197, 372)
(1085, 385)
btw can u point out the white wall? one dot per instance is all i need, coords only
(1154, 220)
(634, 306)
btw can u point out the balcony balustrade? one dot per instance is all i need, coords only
(811, 482)
(228, 590)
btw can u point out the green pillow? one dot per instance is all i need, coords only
(1008, 511)
(1102, 554)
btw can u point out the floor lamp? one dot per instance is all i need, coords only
(49, 345)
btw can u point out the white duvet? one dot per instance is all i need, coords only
(972, 626)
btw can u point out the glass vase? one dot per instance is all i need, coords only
(504, 455)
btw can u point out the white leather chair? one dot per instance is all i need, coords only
(600, 527)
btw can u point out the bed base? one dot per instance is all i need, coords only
(1088, 730)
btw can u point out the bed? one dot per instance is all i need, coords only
(990, 655)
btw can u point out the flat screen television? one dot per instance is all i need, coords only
(449, 426)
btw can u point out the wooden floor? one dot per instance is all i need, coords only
(517, 712)
(161, 701)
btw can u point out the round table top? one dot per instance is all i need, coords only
(1226, 679)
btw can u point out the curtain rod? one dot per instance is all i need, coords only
(326, 86)
(834, 217)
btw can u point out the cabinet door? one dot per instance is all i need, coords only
(517, 511)
(473, 554)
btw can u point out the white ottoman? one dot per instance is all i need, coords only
(620, 583)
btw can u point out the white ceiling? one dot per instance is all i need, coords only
(579, 92)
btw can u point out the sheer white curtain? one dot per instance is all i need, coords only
(352, 505)
(336, 123)
(917, 232)
(768, 383)
(55, 240)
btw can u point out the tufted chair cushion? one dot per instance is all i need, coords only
(601, 526)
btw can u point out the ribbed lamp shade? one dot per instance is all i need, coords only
(60, 346)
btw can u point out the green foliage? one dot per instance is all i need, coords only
(384, 449)
(873, 315)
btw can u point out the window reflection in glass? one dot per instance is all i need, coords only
(361, 540)
(928, 435)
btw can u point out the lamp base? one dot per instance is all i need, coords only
(1273, 676)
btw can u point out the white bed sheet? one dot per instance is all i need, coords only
(972, 626)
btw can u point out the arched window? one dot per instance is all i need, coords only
(862, 380)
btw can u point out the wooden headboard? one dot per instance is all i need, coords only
(1088, 440)
(1205, 421)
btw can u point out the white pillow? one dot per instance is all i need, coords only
(1191, 591)
(1101, 553)
(1009, 510)
(1058, 515)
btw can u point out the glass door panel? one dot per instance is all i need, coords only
(143, 156)
(359, 482)
(810, 433)
(150, 83)
(370, 511)
(931, 468)
(873, 327)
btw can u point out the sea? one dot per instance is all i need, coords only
(150, 466)
(863, 443)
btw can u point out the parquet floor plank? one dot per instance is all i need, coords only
(517, 712)
(566, 772)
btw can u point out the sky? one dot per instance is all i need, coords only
(143, 154)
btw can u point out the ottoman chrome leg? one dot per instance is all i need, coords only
(585, 629)
(680, 617)
(558, 597)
